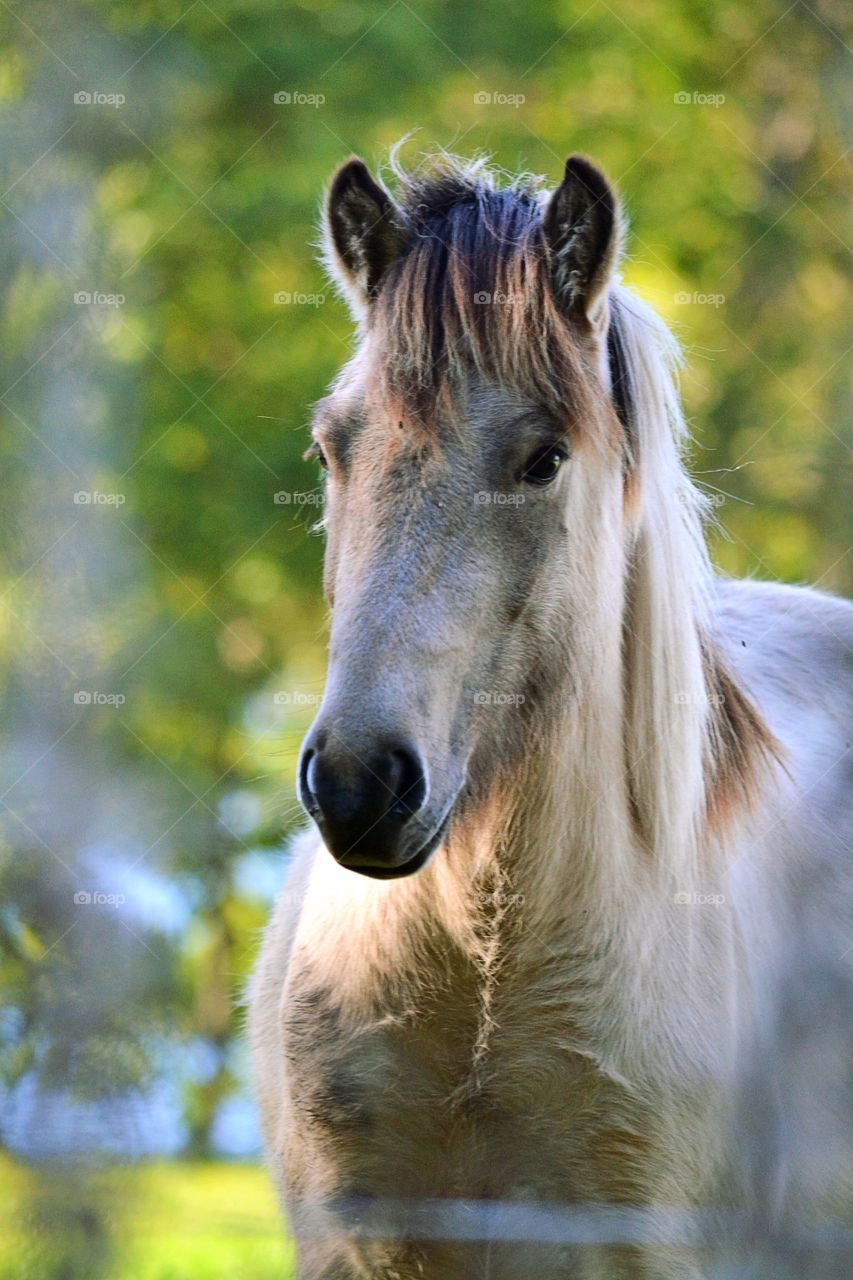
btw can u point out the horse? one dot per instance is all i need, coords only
(532, 999)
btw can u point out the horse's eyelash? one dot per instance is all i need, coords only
(313, 451)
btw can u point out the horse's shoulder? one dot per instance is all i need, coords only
(800, 605)
(796, 632)
(791, 650)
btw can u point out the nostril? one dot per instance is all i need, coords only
(306, 781)
(362, 800)
(407, 780)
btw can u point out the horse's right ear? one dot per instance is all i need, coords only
(583, 232)
(364, 232)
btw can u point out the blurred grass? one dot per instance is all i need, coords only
(177, 1221)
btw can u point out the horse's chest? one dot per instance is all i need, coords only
(430, 1105)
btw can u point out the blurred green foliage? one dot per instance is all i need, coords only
(185, 1222)
(185, 589)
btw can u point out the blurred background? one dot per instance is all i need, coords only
(165, 330)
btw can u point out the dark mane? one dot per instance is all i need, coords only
(472, 291)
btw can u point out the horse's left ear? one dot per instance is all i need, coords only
(583, 231)
(364, 231)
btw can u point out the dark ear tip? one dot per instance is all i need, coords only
(353, 172)
(579, 169)
(354, 179)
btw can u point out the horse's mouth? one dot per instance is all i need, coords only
(416, 863)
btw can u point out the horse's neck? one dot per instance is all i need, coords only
(568, 912)
(558, 838)
(564, 846)
(544, 889)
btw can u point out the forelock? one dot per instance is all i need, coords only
(471, 293)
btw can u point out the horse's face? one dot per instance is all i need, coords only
(440, 567)
(445, 569)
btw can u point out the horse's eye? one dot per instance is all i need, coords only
(542, 468)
